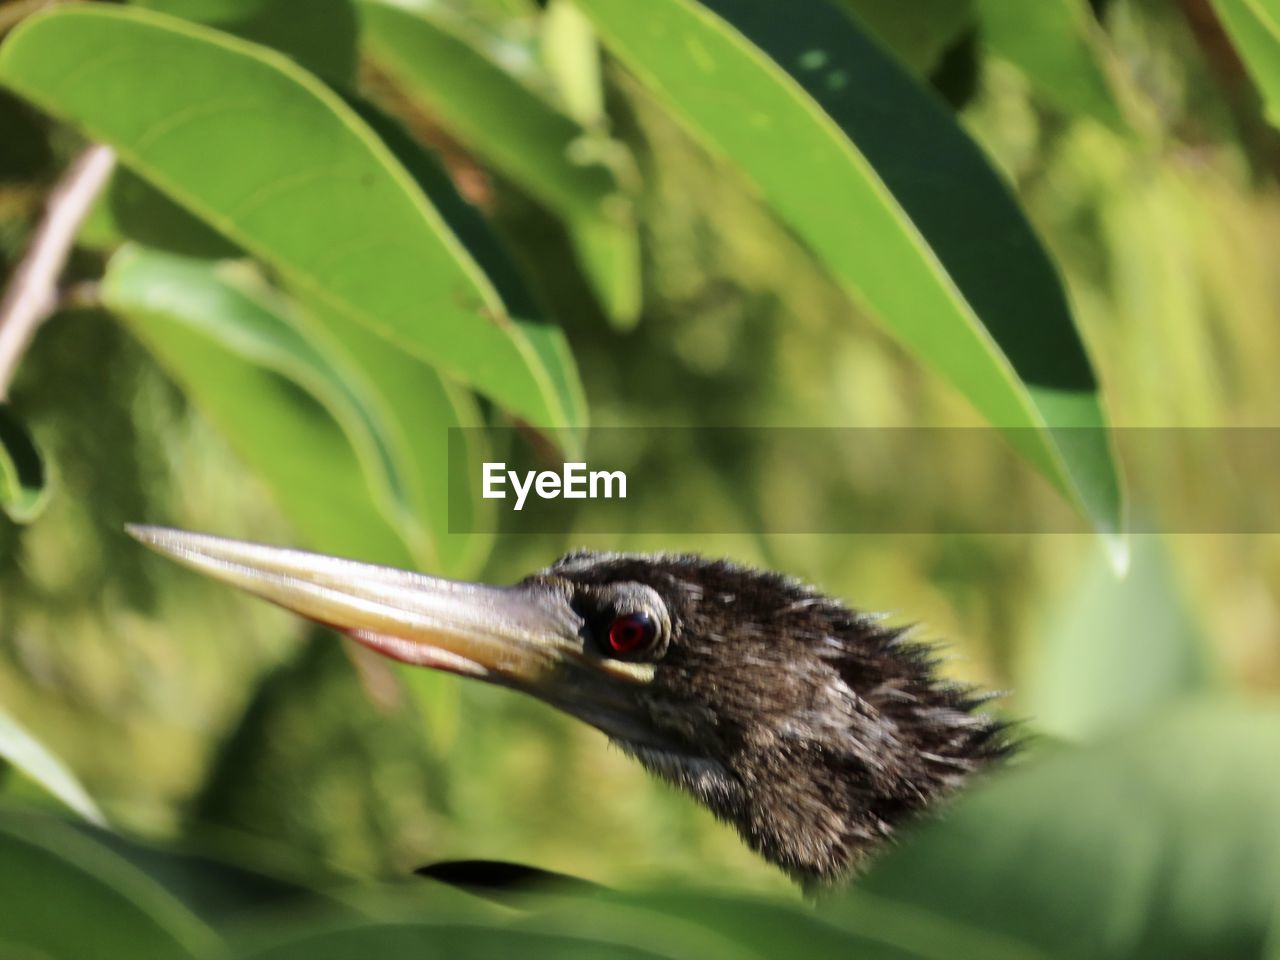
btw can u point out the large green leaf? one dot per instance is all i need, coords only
(280, 403)
(456, 73)
(214, 885)
(1254, 26)
(66, 896)
(27, 754)
(319, 34)
(1112, 650)
(918, 32)
(1056, 44)
(894, 198)
(1159, 843)
(413, 410)
(881, 931)
(24, 487)
(276, 162)
(426, 941)
(484, 89)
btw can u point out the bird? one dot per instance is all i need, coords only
(814, 729)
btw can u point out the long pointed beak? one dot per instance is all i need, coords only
(522, 636)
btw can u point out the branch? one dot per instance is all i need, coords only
(33, 290)
(17, 10)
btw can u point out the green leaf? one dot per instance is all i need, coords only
(412, 410)
(486, 91)
(918, 32)
(488, 250)
(132, 209)
(395, 412)
(453, 71)
(316, 767)
(319, 34)
(1056, 44)
(27, 754)
(1158, 843)
(570, 54)
(1254, 27)
(775, 929)
(300, 182)
(1114, 649)
(414, 941)
(24, 487)
(67, 896)
(894, 198)
(217, 889)
(280, 403)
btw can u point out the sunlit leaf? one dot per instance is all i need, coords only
(492, 256)
(412, 410)
(28, 755)
(1056, 44)
(24, 488)
(486, 90)
(376, 415)
(1254, 25)
(319, 34)
(274, 397)
(480, 85)
(1151, 844)
(875, 175)
(570, 54)
(67, 896)
(311, 191)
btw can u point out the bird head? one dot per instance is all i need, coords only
(814, 729)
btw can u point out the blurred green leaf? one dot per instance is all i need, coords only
(609, 253)
(273, 395)
(393, 941)
(874, 174)
(396, 411)
(1056, 44)
(1153, 844)
(24, 487)
(33, 759)
(221, 892)
(485, 89)
(1114, 648)
(570, 54)
(765, 928)
(341, 781)
(412, 410)
(302, 184)
(132, 209)
(918, 32)
(1254, 26)
(319, 34)
(66, 896)
(489, 251)
(479, 85)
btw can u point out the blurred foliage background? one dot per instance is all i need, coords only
(1138, 145)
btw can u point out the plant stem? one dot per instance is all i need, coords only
(32, 293)
(11, 14)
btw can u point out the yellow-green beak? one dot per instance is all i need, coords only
(525, 636)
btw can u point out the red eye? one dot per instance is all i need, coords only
(633, 632)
